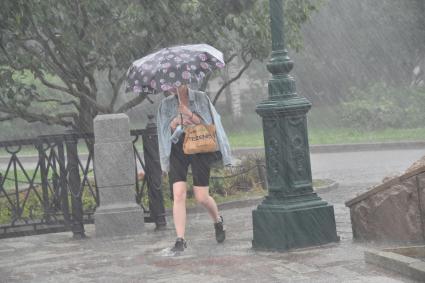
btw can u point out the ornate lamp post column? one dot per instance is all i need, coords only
(292, 215)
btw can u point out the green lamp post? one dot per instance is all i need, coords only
(291, 215)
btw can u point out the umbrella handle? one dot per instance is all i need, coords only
(178, 95)
(181, 114)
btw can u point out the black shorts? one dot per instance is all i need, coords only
(179, 165)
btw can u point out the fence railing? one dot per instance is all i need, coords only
(53, 188)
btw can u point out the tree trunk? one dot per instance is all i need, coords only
(236, 106)
(227, 91)
(236, 96)
(85, 117)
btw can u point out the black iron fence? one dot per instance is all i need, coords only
(55, 190)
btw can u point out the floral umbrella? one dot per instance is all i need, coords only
(171, 67)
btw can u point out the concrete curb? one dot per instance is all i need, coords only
(224, 206)
(319, 148)
(333, 185)
(405, 265)
(367, 146)
(254, 200)
(330, 148)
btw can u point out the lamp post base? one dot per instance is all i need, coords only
(285, 226)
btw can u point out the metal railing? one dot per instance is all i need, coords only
(56, 191)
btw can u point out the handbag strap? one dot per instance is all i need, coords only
(181, 114)
(209, 107)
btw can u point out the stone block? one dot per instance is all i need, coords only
(410, 251)
(408, 266)
(117, 194)
(421, 191)
(111, 128)
(118, 219)
(114, 164)
(390, 214)
(391, 261)
(418, 270)
(393, 210)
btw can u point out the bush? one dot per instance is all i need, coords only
(227, 181)
(380, 106)
(33, 208)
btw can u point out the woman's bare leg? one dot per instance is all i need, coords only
(203, 197)
(179, 208)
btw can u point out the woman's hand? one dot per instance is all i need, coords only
(175, 122)
(185, 110)
(187, 122)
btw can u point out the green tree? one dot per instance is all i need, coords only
(70, 46)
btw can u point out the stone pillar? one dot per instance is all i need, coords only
(114, 165)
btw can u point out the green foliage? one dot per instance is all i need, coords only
(228, 181)
(66, 45)
(380, 106)
(245, 177)
(334, 135)
(33, 208)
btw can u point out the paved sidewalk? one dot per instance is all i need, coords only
(146, 257)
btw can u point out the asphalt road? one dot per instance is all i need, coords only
(363, 167)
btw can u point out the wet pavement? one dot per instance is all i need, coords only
(147, 257)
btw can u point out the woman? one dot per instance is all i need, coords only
(188, 106)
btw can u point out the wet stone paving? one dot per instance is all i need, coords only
(147, 257)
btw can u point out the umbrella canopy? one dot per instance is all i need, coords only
(171, 67)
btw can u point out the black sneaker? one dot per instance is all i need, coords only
(179, 246)
(220, 232)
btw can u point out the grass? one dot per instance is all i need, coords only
(32, 151)
(333, 136)
(23, 182)
(320, 135)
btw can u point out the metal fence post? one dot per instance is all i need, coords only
(44, 180)
(55, 179)
(64, 204)
(153, 173)
(74, 185)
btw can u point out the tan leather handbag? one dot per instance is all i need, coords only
(200, 138)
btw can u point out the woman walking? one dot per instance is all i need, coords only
(189, 107)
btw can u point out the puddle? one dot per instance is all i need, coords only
(167, 252)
